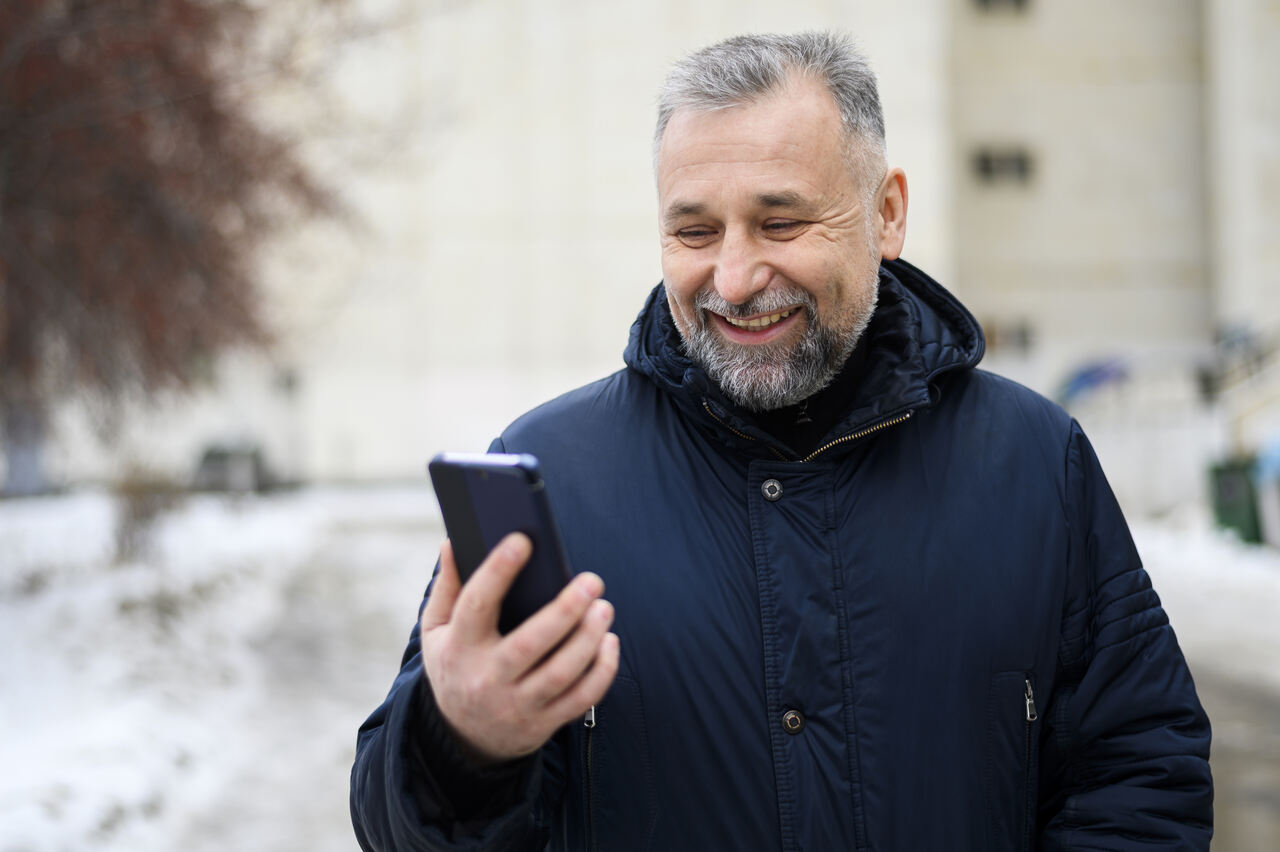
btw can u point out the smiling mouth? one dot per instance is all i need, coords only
(759, 323)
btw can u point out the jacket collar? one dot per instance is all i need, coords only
(919, 333)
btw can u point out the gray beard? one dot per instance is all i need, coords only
(763, 378)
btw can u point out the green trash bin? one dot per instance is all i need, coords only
(1235, 502)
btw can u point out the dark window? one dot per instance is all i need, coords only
(1014, 336)
(1003, 165)
(991, 5)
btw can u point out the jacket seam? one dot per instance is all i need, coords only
(1103, 625)
(1115, 578)
(1162, 625)
(852, 740)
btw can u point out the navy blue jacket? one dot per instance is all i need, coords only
(932, 633)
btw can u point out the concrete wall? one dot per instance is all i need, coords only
(1103, 251)
(507, 230)
(508, 237)
(1243, 122)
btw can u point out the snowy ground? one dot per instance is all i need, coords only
(1222, 597)
(205, 694)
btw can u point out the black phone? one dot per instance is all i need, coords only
(483, 497)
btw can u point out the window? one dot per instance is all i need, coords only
(1003, 165)
(1008, 337)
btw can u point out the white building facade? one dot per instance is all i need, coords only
(1095, 180)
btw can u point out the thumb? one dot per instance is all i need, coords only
(444, 590)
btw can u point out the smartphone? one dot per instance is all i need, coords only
(483, 497)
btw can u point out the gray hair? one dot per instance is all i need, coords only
(745, 68)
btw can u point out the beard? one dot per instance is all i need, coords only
(770, 376)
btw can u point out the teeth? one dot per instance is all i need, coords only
(760, 322)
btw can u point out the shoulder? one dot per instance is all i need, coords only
(1006, 407)
(597, 433)
(599, 408)
(1004, 425)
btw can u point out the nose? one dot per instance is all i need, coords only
(740, 271)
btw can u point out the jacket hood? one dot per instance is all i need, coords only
(918, 333)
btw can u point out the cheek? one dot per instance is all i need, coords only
(681, 264)
(835, 287)
(848, 274)
(682, 280)
(851, 295)
(682, 313)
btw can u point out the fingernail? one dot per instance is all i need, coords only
(603, 610)
(589, 585)
(515, 546)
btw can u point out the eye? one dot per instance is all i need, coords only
(695, 236)
(782, 227)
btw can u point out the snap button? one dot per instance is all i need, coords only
(793, 721)
(772, 490)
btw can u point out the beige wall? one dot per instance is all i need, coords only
(507, 230)
(1243, 66)
(508, 235)
(507, 256)
(1104, 251)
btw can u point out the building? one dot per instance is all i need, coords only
(1098, 181)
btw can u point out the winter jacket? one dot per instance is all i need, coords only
(931, 633)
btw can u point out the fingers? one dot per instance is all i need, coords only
(532, 641)
(566, 665)
(504, 696)
(480, 601)
(444, 593)
(592, 686)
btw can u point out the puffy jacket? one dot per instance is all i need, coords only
(932, 633)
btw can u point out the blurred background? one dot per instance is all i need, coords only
(259, 262)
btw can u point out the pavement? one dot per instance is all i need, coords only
(1245, 759)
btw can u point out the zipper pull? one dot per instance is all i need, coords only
(589, 718)
(1032, 715)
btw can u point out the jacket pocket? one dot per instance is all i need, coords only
(1012, 756)
(618, 797)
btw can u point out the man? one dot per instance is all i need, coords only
(867, 596)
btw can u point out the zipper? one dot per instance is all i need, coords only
(742, 435)
(589, 722)
(861, 433)
(1029, 816)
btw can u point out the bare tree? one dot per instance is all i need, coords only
(137, 187)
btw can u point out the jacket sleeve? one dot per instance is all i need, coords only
(412, 790)
(1125, 760)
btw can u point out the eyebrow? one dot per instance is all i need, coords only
(781, 199)
(767, 200)
(679, 210)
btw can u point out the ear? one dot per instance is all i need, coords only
(891, 214)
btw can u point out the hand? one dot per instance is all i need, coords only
(504, 696)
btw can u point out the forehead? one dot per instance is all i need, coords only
(789, 141)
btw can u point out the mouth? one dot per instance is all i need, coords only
(761, 328)
(761, 322)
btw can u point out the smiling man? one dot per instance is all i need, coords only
(772, 238)
(867, 596)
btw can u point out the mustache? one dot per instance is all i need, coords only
(766, 301)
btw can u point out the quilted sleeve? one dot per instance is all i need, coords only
(1128, 757)
(413, 791)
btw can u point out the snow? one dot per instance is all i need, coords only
(1222, 597)
(206, 694)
